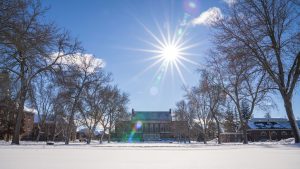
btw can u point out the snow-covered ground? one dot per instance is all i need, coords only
(31, 155)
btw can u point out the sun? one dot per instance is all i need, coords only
(170, 53)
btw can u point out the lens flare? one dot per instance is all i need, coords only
(134, 136)
(191, 7)
(138, 124)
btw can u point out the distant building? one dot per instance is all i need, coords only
(151, 126)
(28, 121)
(262, 129)
(8, 122)
(4, 85)
(83, 134)
(52, 129)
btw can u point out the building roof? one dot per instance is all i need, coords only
(270, 123)
(151, 115)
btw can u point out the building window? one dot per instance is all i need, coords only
(263, 134)
(156, 127)
(167, 128)
(284, 133)
(273, 135)
(162, 127)
(151, 127)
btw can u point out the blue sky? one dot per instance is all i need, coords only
(114, 30)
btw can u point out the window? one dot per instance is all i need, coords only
(263, 134)
(162, 127)
(273, 133)
(284, 133)
(167, 128)
(145, 127)
(156, 127)
(150, 127)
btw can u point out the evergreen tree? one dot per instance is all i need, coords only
(268, 115)
(246, 110)
(229, 123)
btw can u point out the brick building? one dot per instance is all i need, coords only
(7, 126)
(28, 121)
(4, 85)
(151, 126)
(262, 129)
(52, 129)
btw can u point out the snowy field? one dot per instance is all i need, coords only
(31, 155)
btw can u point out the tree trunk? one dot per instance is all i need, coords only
(6, 137)
(16, 136)
(109, 135)
(21, 100)
(244, 128)
(38, 133)
(89, 139)
(189, 133)
(101, 139)
(204, 137)
(289, 110)
(38, 136)
(67, 140)
(244, 125)
(54, 131)
(69, 129)
(90, 135)
(219, 129)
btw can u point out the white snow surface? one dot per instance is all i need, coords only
(269, 155)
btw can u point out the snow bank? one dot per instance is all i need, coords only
(149, 156)
(287, 141)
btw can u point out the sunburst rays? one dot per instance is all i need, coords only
(169, 50)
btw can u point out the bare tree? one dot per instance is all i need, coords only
(74, 75)
(117, 109)
(183, 113)
(41, 96)
(199, 105)
(215, 97)
(90, 114)
(60, 108)
(181, 110)
(268, 31)
(29, 46)
(114, 107)
(104, 108)
(241, 81)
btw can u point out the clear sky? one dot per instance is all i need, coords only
(123, 34)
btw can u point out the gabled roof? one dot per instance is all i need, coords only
(270, 123)
(151, 116)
